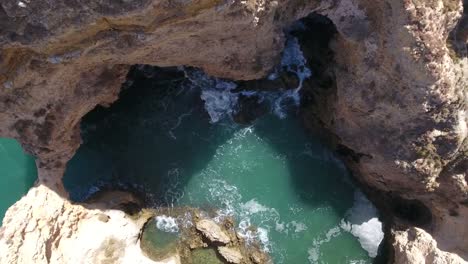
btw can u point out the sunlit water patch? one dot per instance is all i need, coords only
(17, 173)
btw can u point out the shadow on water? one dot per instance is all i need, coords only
(317, 175)
(158, 137)
(318, 178)
(135, 142)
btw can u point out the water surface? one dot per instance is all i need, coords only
(162, 138)
(17, 171)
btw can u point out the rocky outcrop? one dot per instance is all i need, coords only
(195, 238)
(399, 108)
(414, 245)
(212, 231)
(231, 255)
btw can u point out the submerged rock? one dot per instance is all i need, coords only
(158, 244)
(197, 241)
(205, 256)
(232, 255)
(212, 231)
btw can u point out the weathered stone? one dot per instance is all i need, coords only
(259, 257)
(212, 231)
(232, 255)
(414, 245)
(59, 232)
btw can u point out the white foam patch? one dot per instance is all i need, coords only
(219, 104)
(362, 222)
(253, 207)
(314, 251)
(298, 226)
(262, 235)
(167, 224)
(294, 61)
(221, 101)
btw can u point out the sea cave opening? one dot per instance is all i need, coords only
(182, 139)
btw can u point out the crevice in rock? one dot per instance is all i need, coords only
(458, 38)
(316, 37)
(411, 211)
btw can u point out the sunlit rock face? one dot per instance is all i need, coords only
(57, 231)
(399, 106)
(80, 54)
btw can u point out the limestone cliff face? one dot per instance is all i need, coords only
(45, 228)
(401, 106)
(400, 102)
(59, 59)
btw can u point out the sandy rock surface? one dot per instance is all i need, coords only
(44, 228)
(212, 231)
(232, 255)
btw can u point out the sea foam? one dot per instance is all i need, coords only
(362, 222)
(221, 101)
(167, 224)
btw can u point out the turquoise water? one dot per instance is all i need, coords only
(158, 244)
(18, 173)
(159, 138)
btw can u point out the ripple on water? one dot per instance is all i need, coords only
(283, 188)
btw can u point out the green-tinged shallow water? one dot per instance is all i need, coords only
(17, 171)
(271, 174)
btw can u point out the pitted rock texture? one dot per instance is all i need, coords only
(401, 107)
(414, 245)
(212, 231)
(59, 59)
(231, 255)
(44, 228)
(400, 103)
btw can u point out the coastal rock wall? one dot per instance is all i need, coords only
(60, 59)
(401, 107)
(400, 103)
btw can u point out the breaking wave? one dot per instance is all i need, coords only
(167, 224)
(221, 100)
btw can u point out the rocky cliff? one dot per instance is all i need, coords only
(399, 108)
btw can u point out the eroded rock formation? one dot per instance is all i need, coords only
(45, 228)
(400, 106)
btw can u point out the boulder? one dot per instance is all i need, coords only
(232, 255)
(212, 231)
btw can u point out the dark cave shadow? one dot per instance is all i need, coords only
(126, 146)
